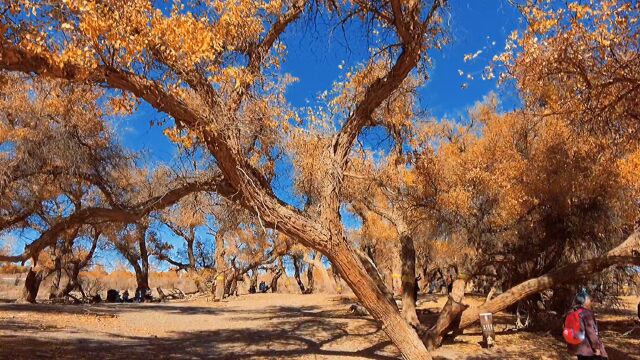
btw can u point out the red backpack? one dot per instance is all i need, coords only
(573, 332)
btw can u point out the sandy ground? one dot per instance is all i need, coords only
(260, 326)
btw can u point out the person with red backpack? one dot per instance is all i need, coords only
(581, 330)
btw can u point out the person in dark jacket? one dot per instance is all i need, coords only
(591, 348)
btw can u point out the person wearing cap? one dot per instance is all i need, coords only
(591, 348)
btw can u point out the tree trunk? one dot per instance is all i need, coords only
(75, 266)
(449, 317)
(296, 274)
(279, 270)
(198, 280)
(73, 282)
(626, 254)
(234, 287)
(221, 268)
(372, 271)
(190, 254)
(142, 280)
(31, 286)
(253, 280)
(310, 280)
(231, 284)
(329, 284)
(408, 276)
(377, 303)
(54, 289)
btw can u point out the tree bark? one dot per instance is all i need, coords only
(31, 286)
(408, 276)
(278, 271)
(253, 280)
(450, 316)
(75, 266)
(54, 289)
(372, 271)
(329, 284)
(221, 268)
(310, 279)
(377, 303)
(296, 274)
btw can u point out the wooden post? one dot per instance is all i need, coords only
(488, 332)
(219, 295)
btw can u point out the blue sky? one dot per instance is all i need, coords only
(315, 58)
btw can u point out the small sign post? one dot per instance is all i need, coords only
(488, 333)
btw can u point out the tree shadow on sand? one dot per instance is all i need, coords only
(289, 332)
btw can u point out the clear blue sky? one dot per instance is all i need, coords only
(314, 58)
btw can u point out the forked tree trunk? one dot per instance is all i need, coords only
(376, 302)
(234, 287)
(449, 317)
(72, 284)
(329, 284)
(31, 286)
(54, 289)
(74, 267)
(408, 276)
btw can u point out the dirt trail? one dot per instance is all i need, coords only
(260, 326)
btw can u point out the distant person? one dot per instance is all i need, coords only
(125, 296)
(581, 330)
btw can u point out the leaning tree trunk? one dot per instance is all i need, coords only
(31, 286)
(408, 276)
(376, 302)
(372, 270)
(449, 317)
(626, 254)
